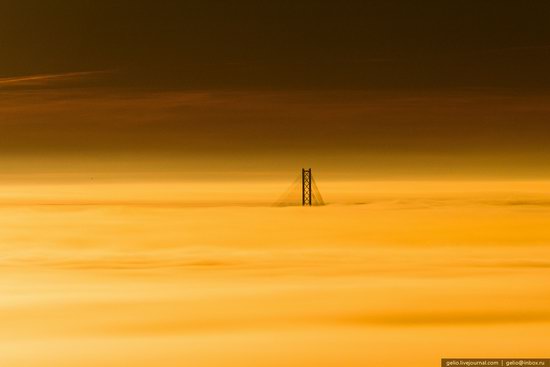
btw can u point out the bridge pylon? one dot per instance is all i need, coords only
(306, 187)
(305, 192)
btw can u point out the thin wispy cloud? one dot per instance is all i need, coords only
(47, 79)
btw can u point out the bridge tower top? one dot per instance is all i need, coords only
(303, 191)
(306, 187)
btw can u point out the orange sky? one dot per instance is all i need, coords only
(86, 131)
(374, 89)
(144, 143)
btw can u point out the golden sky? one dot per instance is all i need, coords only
(374, 89)
(144, 143)
(390, 134)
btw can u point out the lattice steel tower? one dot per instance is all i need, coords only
(306, 187)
